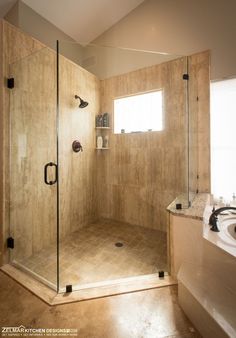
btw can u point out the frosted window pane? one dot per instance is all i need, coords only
(138, 113)
(223, 138)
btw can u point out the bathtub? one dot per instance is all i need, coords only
(228, 227)
(226, 238)
(207, 274)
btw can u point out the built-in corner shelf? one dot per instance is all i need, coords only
(104, 133)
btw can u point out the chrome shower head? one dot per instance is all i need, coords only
(83, 103)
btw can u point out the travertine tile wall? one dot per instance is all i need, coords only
(77, 170)
(33, 110)
(32, 144)
(142, 173)
(14, 46)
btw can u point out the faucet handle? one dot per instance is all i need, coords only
(214, 226)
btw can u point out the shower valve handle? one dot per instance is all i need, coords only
(77, 146)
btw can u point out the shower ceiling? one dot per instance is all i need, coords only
(83, 20)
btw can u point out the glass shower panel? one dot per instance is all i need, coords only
(113, 196)
(33, 170)
(184, 138)
(193, 108)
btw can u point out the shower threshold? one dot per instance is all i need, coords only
(87, 291)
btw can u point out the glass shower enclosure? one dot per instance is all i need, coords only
(81, 216)
(33, 165)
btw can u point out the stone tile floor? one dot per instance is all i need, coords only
(90, 255)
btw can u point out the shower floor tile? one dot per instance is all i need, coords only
(90, 255)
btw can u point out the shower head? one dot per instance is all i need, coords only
(83, 103)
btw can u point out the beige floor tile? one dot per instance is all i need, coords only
(90, 255)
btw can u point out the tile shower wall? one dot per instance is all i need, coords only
(15, 46)
(32, 145)
(143, 172)
(77, 170)
(77, 180)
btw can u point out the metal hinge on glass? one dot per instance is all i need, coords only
(10, 83)
(10, 242)
(185, 76)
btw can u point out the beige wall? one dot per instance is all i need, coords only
(182, 27)
(12, 15)
(31, 219)
(143, 172)
(77, 170)
(23, 17)
(32, 144)
(106, 62)
(15, 46)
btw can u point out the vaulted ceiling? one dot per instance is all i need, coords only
(5, 5)
(83, 20)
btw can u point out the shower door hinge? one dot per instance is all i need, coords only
(161, 274)
(10, 83)
(178, 206)
(10, 242)
(68, 288)
(185, 76)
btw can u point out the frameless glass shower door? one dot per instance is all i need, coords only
(33, 165)
(113, 197)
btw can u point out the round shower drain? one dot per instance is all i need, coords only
(119, 244)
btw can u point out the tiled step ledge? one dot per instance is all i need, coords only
(91, 291)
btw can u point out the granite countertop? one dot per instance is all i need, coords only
(196, 210)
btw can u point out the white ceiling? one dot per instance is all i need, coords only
(83, 20)
(5, 5)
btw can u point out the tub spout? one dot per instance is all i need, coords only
(213, 218)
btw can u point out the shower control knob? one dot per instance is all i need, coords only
(76, 146)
